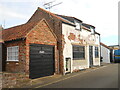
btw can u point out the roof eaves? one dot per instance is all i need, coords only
(105, 45)
(69, 23)
(70, 17)
(97, 33)
(89, 25)
(77, 19)
(83, 27)
(17, 39)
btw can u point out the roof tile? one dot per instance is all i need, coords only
(17, 32)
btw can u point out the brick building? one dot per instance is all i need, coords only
(65, 43)
(29, 48)
(71, 32)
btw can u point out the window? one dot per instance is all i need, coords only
(77, 25)
(92, 31)
(96, 52)
(78, 52)
(12, 53)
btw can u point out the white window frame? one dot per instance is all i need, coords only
(77, 25)
(7, 53)
(92, 31)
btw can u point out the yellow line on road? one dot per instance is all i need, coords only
(68, 77)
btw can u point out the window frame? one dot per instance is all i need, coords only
(92, 31)
(12, 52)
(83, 52)
(76, 25)
(97, 55)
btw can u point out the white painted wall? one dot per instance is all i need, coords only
(105, 53)
(87, 38)
(96, 61)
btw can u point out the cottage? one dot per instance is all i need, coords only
(105, 53)
(49, 44)
(31, 48)
(81, 45)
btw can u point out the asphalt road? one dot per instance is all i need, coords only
(105, 77)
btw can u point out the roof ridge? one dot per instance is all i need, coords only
(20, 25)
(55, 15)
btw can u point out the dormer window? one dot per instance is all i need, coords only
(77, 25)
(92, 31)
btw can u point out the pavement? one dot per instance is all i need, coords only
(49, 80)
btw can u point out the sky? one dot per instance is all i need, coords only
(103, 14)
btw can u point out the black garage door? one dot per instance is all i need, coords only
(41, 60)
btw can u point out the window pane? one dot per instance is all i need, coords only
(9, 49)
(16, 58)
(13, 57)
(10, 58)
(16, 53)
(96, 52)
(16, 49)
(12, 53)
(9, 54)
(78, 52)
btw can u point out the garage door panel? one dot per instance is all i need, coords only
(41, 60)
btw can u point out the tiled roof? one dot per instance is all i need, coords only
(70, 18)
(56, 16)
(83, 27)
(17, 32)
(33, 18)
(87, 25)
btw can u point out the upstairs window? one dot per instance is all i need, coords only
(96, 52)
(12, 53)
(78, 52)
(77, 25)
(92, 31)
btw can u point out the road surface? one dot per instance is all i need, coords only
(103, 77)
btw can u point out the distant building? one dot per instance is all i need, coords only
(115, 47)
(105, 53)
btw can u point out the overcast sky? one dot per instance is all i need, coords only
(103, 14)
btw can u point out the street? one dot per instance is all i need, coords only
(103, 77)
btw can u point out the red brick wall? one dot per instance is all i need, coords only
(16, 66)
(56, 26)
(14, 80)
(41, 34)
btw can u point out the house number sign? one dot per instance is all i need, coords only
(41, 51)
